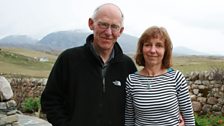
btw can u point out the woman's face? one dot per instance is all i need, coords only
(153, 52)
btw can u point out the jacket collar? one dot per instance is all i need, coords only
(116, 49)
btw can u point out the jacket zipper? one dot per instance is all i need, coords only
(104, 85)
(103, 74)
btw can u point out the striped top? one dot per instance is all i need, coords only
(158, 100)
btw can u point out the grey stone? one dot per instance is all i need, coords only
(212, 100)
(26, 120)
(5, 88)
(196, 106)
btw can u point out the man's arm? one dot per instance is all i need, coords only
(53, 96)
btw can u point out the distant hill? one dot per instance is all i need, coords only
(128, 43)
(18, 39)
(21, 41)
(64, 39)
(180, 51)
(61, 40)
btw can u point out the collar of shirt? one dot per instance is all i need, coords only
(97, 55)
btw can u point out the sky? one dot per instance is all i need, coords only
(195, 24)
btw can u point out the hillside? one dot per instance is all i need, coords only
(25, 62)
(56, 42)
(16, 61)
(188, 64)
(61, 40)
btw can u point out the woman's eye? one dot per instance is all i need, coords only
(146, 44)
(159, 45)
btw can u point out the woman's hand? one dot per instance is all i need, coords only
(181, 122)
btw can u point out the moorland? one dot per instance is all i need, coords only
(25, 62)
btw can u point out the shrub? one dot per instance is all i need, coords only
(31, 104)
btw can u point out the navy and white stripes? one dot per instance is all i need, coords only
(157, 101)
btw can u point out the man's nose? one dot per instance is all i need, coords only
(108, 30)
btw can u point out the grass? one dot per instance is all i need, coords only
(22, 61)
(187, 64)
(209, 120)
(14, 62)
(31, 53)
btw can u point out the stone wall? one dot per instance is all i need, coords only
(206, 90)
(8, 110)
(26, 87)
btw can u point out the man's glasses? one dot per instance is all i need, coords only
(113, 27)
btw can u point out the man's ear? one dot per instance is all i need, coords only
(91, 24)
(121, 30)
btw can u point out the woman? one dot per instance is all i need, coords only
(157, 93)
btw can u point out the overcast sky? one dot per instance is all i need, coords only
(196, 24)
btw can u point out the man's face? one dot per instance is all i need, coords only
(106, 27)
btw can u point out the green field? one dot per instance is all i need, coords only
(15, 61)
(187, 64)
(25, 62)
